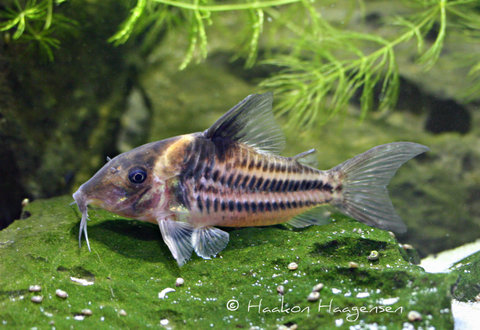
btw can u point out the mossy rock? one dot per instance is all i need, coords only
(129, 265)
(467, 287)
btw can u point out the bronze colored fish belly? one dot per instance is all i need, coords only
(232, 176)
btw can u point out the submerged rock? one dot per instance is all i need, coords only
(236, 289)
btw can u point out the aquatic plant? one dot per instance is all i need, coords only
(319, 63)
(34, 23)
(322, 64)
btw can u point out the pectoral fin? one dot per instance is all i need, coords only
(178, 237)
(209, 241)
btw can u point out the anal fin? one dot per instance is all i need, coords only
(178, 237)
(209, 241)
(317, 216)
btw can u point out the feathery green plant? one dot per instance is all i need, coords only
(34, 22)
(197, 16)
(322, 64)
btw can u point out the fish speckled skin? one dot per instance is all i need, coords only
(232, 176)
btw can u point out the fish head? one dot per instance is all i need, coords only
(126, 185)
(131, 185)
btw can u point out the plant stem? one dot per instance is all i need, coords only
(227, 7)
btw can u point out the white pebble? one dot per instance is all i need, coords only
(37, 299)
(61, 294)
(81, 281)
(164, 292)
(281, 289)
(407, 247)
(164, 322)
(318, 287)
(122, 312)
(292, 266)
(87, 312)
(25, 202)
(313, 296)
(414, 316)
(374, 255)
(179, 281)
(35, 288)
(352, 264)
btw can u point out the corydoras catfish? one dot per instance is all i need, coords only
(231, 175)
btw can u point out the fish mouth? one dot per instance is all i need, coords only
(82, 203)
(83, 200)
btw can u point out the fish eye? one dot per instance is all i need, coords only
(137, 175)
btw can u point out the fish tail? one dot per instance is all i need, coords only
(364, 181)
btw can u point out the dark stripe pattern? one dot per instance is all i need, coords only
(253, 184)
(208, 176)
(207, 205)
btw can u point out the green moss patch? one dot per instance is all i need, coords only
(467, 287)
(130, 265)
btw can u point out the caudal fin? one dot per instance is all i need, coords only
(364, 184)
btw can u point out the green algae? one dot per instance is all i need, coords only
(467, 287)
(129, 265)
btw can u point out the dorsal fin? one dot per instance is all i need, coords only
(251, 122)
(308, 158)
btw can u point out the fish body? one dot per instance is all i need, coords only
(241, 187)
(232, 175)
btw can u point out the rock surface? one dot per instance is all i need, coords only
(129, 265)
